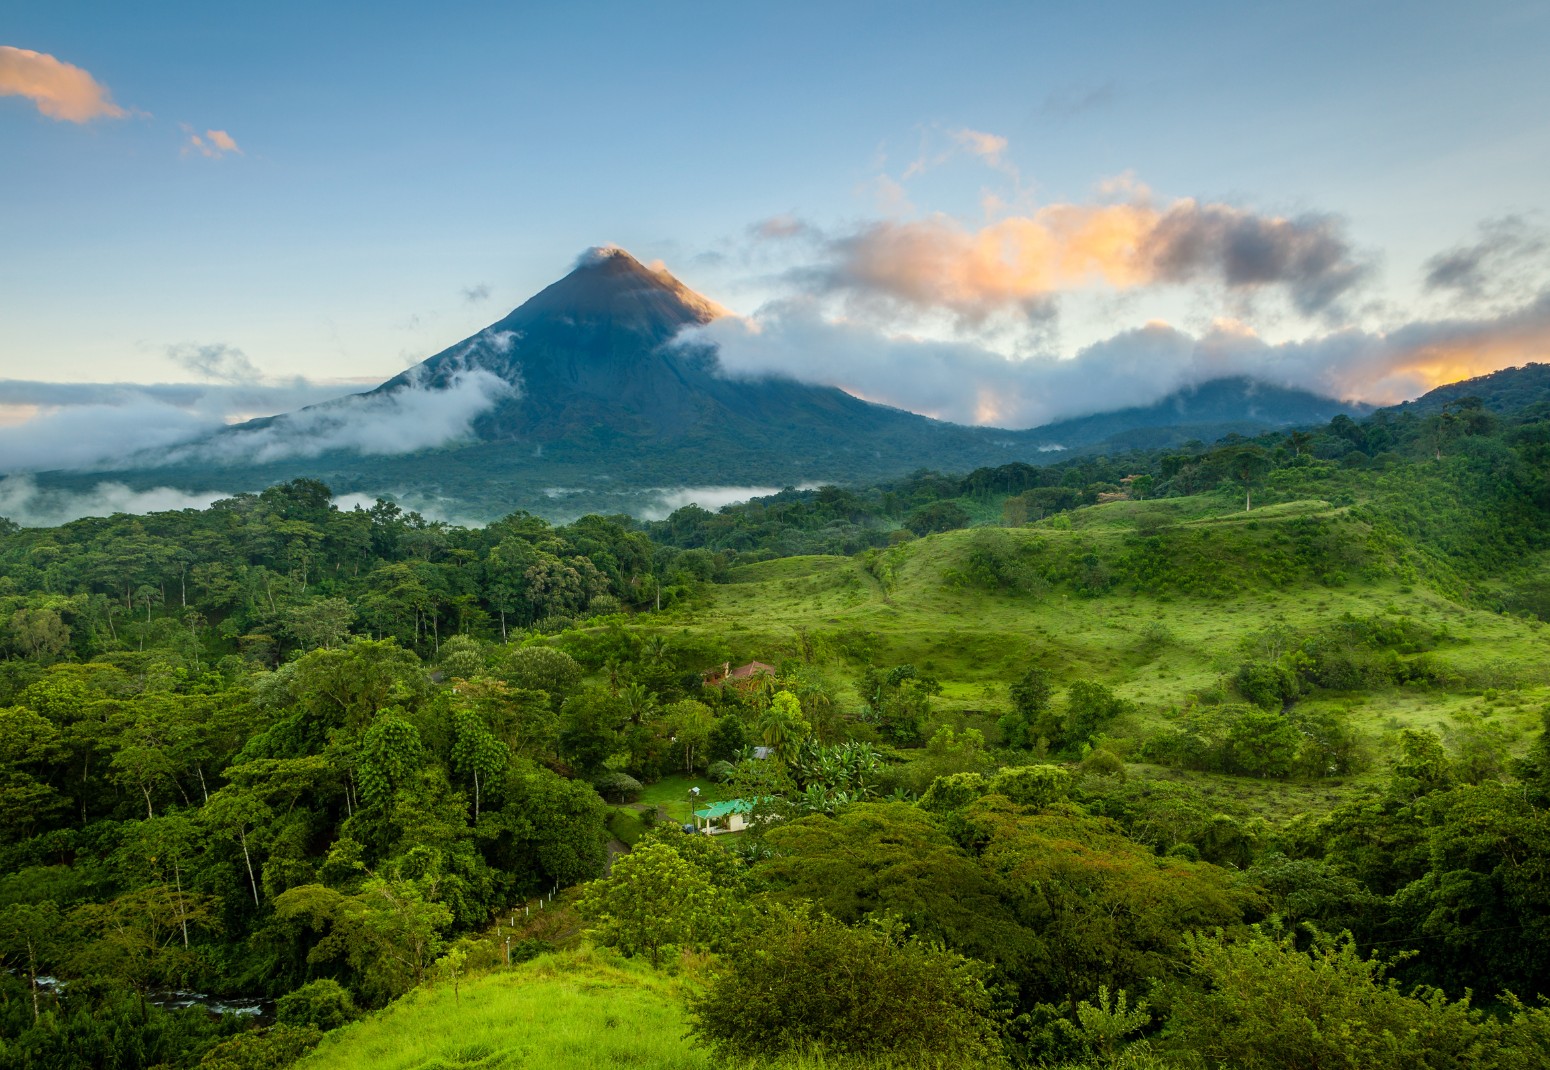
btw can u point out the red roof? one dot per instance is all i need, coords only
(753, 668)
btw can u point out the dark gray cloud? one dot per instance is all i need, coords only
(1507, 250)
(1309, 256)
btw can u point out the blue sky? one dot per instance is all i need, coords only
(387, 161)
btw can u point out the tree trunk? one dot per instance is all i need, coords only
(503, 626)
(177, 876)
(32, 972)
(243, 832)
(85, 777)
(1247, 500)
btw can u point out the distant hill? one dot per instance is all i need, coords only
(592, 406)
(1207, 412)
(1502, 391)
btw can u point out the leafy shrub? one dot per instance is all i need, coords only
(807, 984)
(266, 1049)
(1104, 763)
(719, 771)
(1032, 785)
(324, 1003)
(1267, 685)
(618, 787)
(952, 792)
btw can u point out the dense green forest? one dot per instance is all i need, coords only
(1228, 755)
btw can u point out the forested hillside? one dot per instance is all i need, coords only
(1224, 755)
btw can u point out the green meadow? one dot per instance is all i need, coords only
(1199, 583)
(575, 1010)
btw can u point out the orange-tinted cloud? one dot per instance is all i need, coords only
(1019, 262)
(213, 144)
(58, 89)
(987, 147)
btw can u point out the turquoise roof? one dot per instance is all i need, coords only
(716, 811)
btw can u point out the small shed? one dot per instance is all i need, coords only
(728, 816)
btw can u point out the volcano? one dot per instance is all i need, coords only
(595, 395)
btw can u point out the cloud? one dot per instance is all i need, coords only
(396, 421)
(410, 413)
(968, 384)
(666, 501)
(1508, 249)
(988, 148)
(1308, 255)
(598, 254)
(475, 294)
(99, 425)
(430, 506)
(32, 506)
(213, 144)
(216, 361)
(780, 228)
(95, 434)
(58, 89)
(1017, 264)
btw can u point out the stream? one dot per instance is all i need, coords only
(259, 1007)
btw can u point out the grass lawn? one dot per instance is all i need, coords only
(625, 824)
(672, 794)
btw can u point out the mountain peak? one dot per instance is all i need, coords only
(607, 281)
(599, 332)
(607, 255)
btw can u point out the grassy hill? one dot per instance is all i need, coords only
(572, 1010)
(1161, 601)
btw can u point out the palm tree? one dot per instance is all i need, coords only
(782, 727)
(639, 701)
